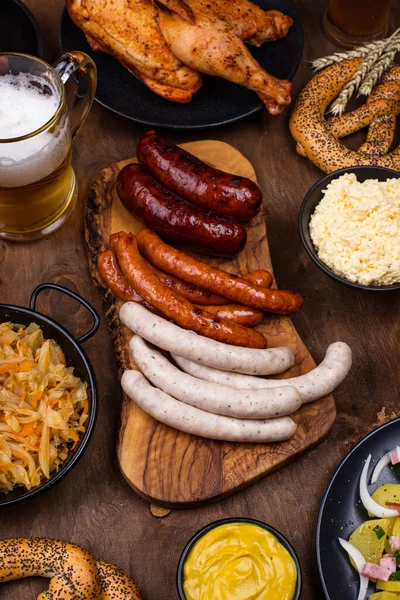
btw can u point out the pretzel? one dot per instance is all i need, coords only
(317, 138)
(73, 572)
(380, 136)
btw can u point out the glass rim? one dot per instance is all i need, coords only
(61, 104)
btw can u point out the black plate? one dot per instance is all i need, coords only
(217, 103)
(19, 31)
(341, 511)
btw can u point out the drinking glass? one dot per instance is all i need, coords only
(38, 187)
(350, 23)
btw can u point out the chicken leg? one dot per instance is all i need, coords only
(128, 30)
(211, 46)
(248, 21)
(181, 8)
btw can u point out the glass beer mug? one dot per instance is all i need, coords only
(37, 183)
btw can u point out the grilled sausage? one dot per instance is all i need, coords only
(176, 219)
(187, 290)
(194, 421)
(177, 308)
(237, 313)
(114, 238)
(191, 178)
(261, 277)
(215, 280)
(111, 274)
(313, 385)
(200, 349)
(214, 398)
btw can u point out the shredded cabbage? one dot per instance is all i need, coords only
(43, 407)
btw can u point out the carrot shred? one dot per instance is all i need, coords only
(36, 397)
(8, 367)
(25, 366)
(26, 430)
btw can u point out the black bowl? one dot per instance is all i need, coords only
(19, 31)
(314, 196)
(76, 358)
(207, 528)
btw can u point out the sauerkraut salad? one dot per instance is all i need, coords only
(43, 407)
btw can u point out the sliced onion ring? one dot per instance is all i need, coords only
(384, 462)
(359, 561)
(369, 504)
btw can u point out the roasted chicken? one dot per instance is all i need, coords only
(211, 46)
(181, 8)
(128, 30)
(248, 21)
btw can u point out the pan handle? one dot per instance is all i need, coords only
(63, 290)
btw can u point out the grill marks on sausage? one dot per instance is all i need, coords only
(176, 219)
(198, 182)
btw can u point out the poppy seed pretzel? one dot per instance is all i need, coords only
(317, 138)
(380, 136)
(115, 583)
(383, 100)
(73, 572)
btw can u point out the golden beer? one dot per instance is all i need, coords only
(37, 181)
(36, 206)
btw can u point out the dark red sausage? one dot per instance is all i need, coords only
(191, 178)
(175, 219)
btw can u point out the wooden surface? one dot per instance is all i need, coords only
(94, 506)
(176, 469)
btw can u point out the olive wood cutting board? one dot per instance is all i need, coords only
(165, 466)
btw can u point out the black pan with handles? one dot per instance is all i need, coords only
(75, 357)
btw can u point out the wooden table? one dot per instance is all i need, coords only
(94, 506)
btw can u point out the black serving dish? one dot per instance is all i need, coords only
(217, 103)
(285, 543)
(19, 31)
(76, 358)
(342, 512)
(314, 196)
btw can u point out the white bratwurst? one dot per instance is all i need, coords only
(192, 420)
(313, 385)
(214, 398)
(188, 344)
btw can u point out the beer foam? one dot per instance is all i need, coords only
(24, 109)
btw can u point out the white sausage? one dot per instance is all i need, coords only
(188, 344)
(214, 398)
(192, 420)
(313, 385)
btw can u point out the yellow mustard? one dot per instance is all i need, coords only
(239, 561)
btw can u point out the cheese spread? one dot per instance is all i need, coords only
(356, 229)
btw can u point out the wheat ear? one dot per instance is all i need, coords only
(376, 61)
(320, 63)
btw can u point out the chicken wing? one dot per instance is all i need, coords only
(248, 21)
(210, 46)
(128, 30)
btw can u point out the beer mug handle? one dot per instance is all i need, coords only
(82, 68)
